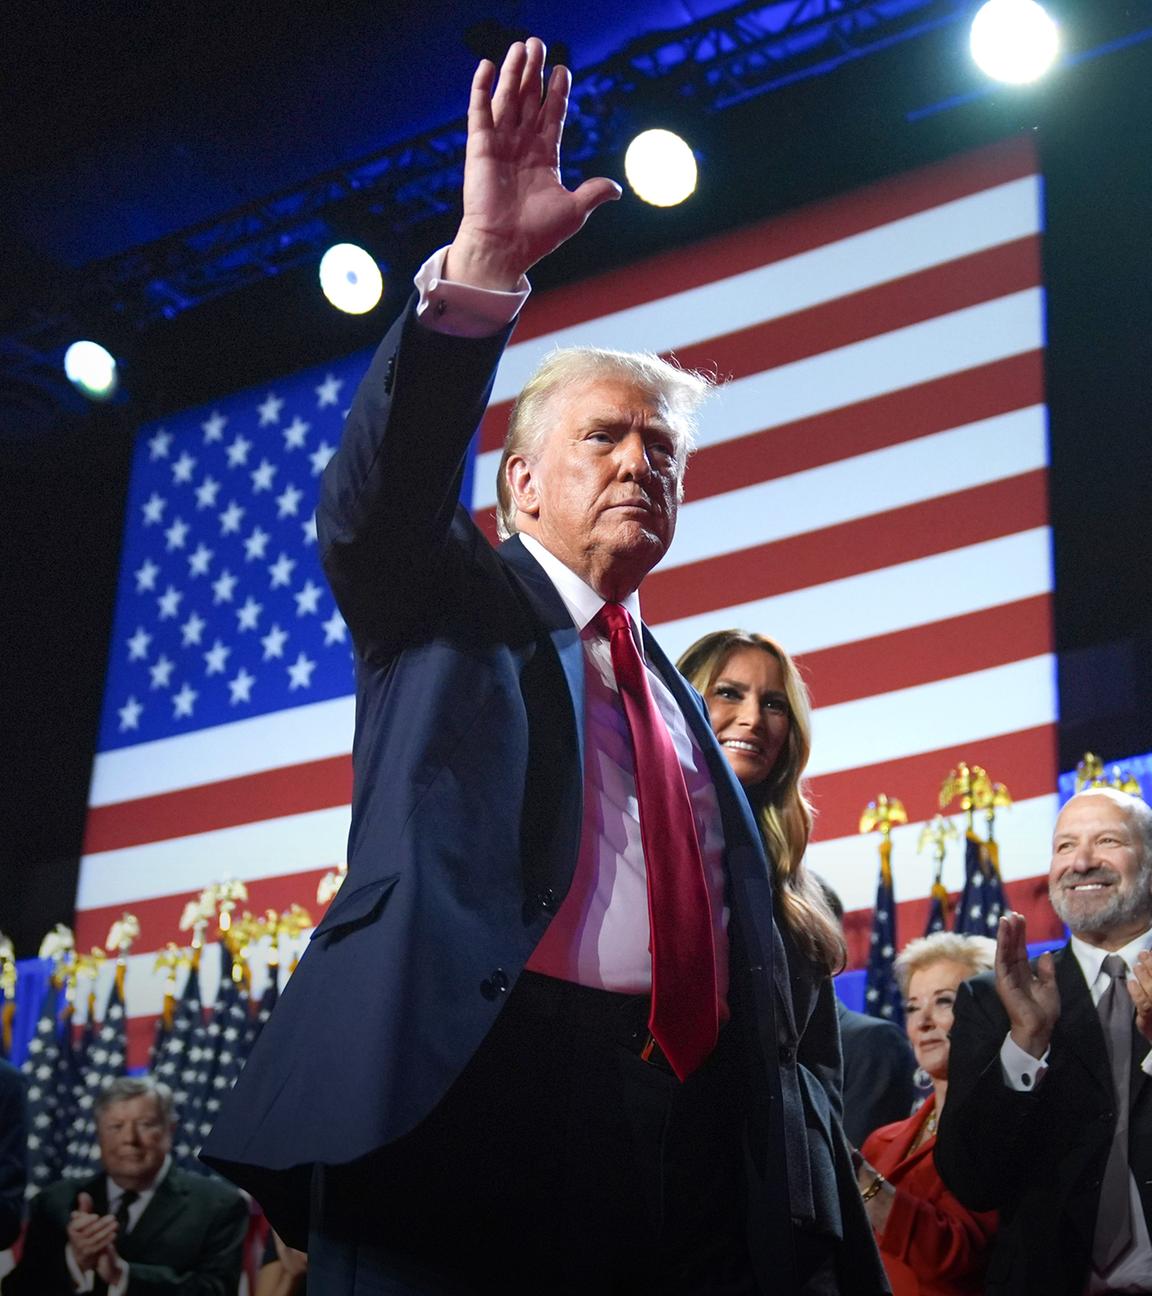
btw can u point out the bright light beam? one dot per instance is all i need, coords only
(350, 279)
(91, 370)
(1014, 40)
(660, 168)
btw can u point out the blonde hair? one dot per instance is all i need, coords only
(782, 809)
(978, 953)
(681, 391)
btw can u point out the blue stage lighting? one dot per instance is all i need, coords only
(350, 278)
(92, 370)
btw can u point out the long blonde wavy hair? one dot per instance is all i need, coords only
(780, 804)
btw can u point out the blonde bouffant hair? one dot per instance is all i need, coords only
(780, 803)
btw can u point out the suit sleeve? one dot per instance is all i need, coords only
(217, 1270)
(988, 1132)
(13, 1144)
(389, 495)
(878, 1089)
(42, 1269)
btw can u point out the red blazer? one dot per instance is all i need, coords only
(931, 1245)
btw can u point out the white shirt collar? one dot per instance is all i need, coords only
(580, 599)
(115, 1192)
(1091, 957)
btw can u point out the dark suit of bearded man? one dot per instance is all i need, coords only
(430, 1114)
(1032, 1104)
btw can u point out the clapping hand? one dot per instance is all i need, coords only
(90, 1235)
(516, 209)
(1140, 988)
(1030, 998)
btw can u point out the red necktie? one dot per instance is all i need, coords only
(685, 1012)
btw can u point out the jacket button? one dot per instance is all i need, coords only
(787, 1055)
(496, 984)
(547, 899)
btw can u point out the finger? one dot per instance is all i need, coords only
(554, 109)
(532, 78)
(480, 98)
(505, 102)
(595, 193)
(1006, 945)
(84, 1203)
(1046, 969)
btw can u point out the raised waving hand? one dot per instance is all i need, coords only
(516, 209)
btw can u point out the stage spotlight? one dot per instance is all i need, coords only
(91, 370)
(350, 279)
(1014, 40)
(660, 168)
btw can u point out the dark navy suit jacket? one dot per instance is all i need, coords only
(467, 808)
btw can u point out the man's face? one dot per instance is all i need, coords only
(1099, 882)
(134, 1140)
(601, 494)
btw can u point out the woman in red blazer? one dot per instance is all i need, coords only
(930, 1244)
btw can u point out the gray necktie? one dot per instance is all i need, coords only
(1113, 1218)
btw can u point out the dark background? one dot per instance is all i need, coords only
(125, 122)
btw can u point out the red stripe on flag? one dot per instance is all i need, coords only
(937, 651)
(900, 303)
(159, 916)
(850, 548)
(778, 238)
(1025, 762)
(314, 785)
(892, 419)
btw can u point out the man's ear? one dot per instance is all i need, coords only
(522, 484)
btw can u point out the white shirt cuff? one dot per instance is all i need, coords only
(1146, 1065)
(1021, 1071)
(84, 1281)
(461, 310)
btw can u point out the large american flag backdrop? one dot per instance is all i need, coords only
(870, 488)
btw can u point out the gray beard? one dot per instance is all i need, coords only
(1122, 907)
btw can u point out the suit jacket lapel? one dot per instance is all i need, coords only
(161, 1211)
(1079, 1021)
(553, 615)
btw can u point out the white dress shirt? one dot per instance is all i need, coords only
(1022, 1071)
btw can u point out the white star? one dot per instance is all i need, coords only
(256, 543)
(206, 493)
(184, 701)
(288, 503)
(130, 715)
(146, 576)
(241, 687)
(192, 630)
(231, 517)
(328, 393)
(307, 598)
(281, 570)
(238, 452)
(249, 614)
(182, 469)
(169, 602)
(223, 586)
(274, 642)
(216, 658)
(214, 426)
(262, 476)
(161, 672)
(138, 645)
(176, 534)
(158, 445)
(320, 457)
(199, 562)
(300, 673)
(309, 529)
(153, 509)
(295, 433)
(334, 629)
(270, 409)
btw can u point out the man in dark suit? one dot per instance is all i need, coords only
(497, 1068)
(1049, 1113)
(13, 1152)
(878, 1070)
(141, 1226)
